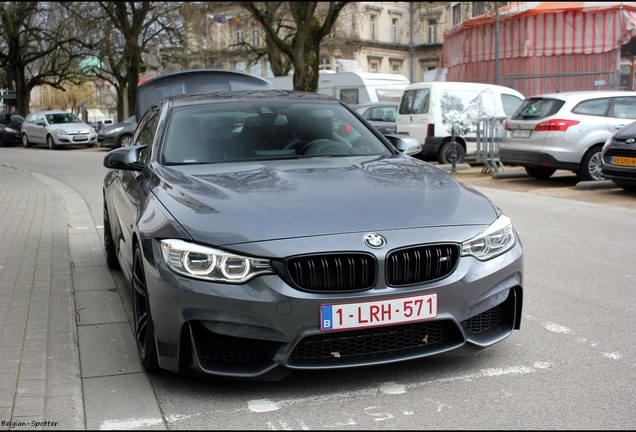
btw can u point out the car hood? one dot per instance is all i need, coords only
(71, 127)
(235, 203)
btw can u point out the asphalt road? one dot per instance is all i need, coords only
(571, 366)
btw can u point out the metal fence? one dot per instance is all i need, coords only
(489, 132)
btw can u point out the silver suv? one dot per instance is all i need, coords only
(56, 128)
(565, 131)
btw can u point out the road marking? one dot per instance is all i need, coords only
(129, 424)
(266, 405)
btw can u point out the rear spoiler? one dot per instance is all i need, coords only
(151, 90)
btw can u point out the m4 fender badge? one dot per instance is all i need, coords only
(374, 241)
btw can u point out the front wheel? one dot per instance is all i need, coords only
(25, 141)
(51, 142)
(125, 140)
(445, 155)
(144, 329)
(591, 165)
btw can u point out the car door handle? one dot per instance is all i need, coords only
(619, 126)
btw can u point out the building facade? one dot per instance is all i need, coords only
(380, 37)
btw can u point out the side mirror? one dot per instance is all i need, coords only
(125, 158)
(404, 143)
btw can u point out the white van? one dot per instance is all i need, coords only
(353, 88)
(428, 109)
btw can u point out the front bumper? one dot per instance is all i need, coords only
(80, 139)
(252, 330)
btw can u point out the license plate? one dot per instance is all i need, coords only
(520, 133)
(377, 313)
(624, 161)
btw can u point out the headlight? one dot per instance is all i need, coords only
(493, 241)
(113, 131)
(202, 262)
(59, 132)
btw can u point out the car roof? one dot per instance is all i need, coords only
(584, 94)
(225, 96)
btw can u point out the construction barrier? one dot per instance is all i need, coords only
(489, 131)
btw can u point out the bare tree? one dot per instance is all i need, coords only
(38, 46)
(300, 41)
(127, 33)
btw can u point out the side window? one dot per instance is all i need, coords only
(414, 101)
(145, 134)
(593, 107)
(510, 104)
(349, 96)
(625, 107)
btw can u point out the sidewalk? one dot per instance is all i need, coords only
(68, 359)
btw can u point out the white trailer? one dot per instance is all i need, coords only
(353, 88)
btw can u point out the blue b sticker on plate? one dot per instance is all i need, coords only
(326, 318)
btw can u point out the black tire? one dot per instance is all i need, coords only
(591, 165)
(50, 142)
(109, 245)
(445, 153)
(25, 141)
(143, 326)
(124, 140)
(540, 173)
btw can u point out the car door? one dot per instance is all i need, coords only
(39, 129)
(128, 199)
(621, 113)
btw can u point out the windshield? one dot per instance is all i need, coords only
(251, 130)
(62, 118)
(537, 108)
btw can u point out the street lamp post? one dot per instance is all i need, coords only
(497, 43)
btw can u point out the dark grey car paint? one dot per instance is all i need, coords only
(148, 202)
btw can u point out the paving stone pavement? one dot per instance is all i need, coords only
(65, 339)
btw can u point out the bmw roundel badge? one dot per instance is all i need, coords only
(375, 241)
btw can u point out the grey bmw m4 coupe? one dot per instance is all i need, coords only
(266, 231)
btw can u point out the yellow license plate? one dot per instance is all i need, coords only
(624, 161)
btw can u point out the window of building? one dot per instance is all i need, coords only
(374, 67)
(395, 68)
(394, 30)
(432, 31)
(256, 36)
(239, 35)
(372, 25)
(457, 14)
(479, 8)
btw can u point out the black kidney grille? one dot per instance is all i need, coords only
(421, 264)
(366, 344)
(336, 272)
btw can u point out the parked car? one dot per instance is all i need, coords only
(619, 158)
(382, 115)
(427, 108)
(117, 135)
(266, 231)
(100, 124)
(56, 129)
(10, 126)
(565, 131)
